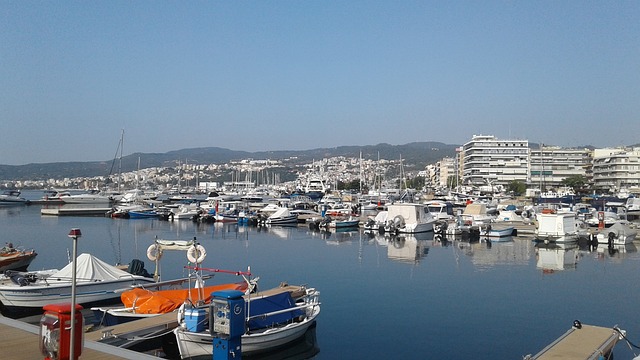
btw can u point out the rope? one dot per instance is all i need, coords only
(625, 338)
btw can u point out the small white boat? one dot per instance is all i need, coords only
(93, 197)
(95, 281)
(11, 197)
(493, 231)
(407, 218)
(297, 310)
(620, 233)
(282, 216)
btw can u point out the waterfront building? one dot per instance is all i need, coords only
(444, 169)
(487, 160)
(550, 165)
(616, 170)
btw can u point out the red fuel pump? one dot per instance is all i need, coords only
(55, 332)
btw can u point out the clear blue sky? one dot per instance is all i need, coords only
(294, 75)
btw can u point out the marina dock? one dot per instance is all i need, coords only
(580, 343)
(131, 333)
(21, 341)
(75, 211)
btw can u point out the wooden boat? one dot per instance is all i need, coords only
(277, 316)
(15, 259)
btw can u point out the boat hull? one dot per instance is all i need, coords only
(193, 344)
(37, 296)
(19, 261)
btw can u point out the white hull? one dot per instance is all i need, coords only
(86, 199)
(201, 344)
(36, 296)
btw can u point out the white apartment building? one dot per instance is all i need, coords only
(487, 160)
(616, 170)
(444, 169)
(549, 165)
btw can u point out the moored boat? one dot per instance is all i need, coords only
(95, 281)
(273, 318)
(15, 259)
(12, 197)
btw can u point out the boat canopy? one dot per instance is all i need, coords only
(90, 268)
(260, 308)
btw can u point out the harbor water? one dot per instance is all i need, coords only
(382, 298)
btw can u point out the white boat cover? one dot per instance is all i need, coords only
(90, 268)
(281, 212)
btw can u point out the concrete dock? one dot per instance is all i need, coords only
(21, 341)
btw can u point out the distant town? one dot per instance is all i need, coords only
(484, 163)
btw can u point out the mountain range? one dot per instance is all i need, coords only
(416, 154)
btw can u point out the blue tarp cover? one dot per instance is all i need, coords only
(270, 304)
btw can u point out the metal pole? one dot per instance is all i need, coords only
(74, 234)
(73, 301)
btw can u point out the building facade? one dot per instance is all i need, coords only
(550, 165)
(616, 170)
(487, 160)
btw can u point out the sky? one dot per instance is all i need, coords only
(296, 75)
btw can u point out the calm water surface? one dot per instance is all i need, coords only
(418, 298)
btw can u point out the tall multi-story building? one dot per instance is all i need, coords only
(490, 161)
(550, 165)
(616, 170)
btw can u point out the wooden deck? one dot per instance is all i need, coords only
(21, 341)
(588, 342)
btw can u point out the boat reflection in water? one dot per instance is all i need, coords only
(553, 257)
(409, 248)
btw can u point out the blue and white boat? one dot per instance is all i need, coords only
(274, 318)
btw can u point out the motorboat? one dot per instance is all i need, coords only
(12, 197)
(274, 317)
(408, 218)
(95, 281)
(282, 216)
(441, 210)
(92, 197)
(620, 233)
(376, 223)
(345, 223)
(15, 259)
(494, 231)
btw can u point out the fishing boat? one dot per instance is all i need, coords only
(274, 318)
(407, 218)
(149, 301)
(96, 281)
(557, 227)
(15, 259)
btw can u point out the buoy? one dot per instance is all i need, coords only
(154, 252)
(196, 254)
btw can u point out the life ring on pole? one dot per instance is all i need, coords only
(196, 254)
(154, 252)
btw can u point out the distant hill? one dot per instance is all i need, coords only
(417, 154)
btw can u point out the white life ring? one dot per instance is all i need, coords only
(154, 252)
(196, 254)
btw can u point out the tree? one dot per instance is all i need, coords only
(517, 187)
(577, 182)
